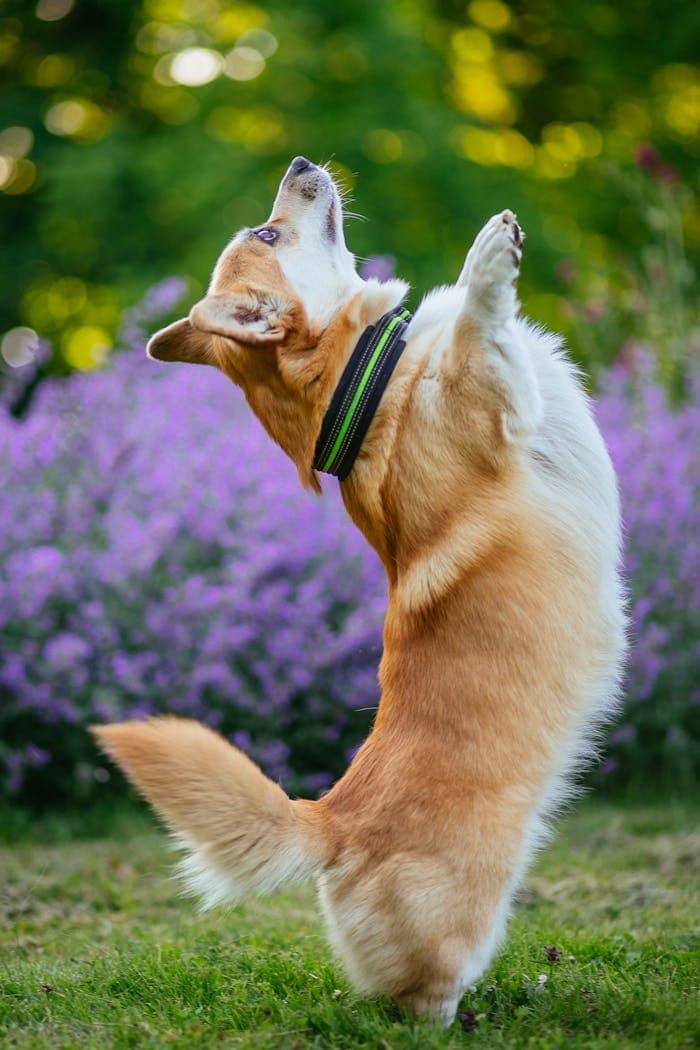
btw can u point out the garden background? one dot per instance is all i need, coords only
(156, 551)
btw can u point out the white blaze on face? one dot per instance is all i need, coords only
(315, 260)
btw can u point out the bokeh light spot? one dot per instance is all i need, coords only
(632, 118)
(682, 113)
(501, 146)
(16, 142)
(564, 143)
(472, 45)
(53, 70)
(65, 118)
(76, 117)
(244, 63)
(162, 75)
(196, 66)
(260, 40)
(19, 346)
(155, 38)
(53, 10)
(235, 19)
(491, 14)
(66, 296)
(518, 67)
(549, 165)
(86, 347)
(479, 91)
(383, 146)
(22, 177)
(7, 167)
(590, 139)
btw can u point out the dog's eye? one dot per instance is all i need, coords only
(267, 234)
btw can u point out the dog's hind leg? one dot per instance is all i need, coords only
(420, 928)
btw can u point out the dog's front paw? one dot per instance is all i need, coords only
(496, 253)
(502, 239)
(492, 268)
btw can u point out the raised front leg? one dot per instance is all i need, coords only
(491, 270)
(489, 365)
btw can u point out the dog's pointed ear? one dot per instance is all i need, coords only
(249, 316)
(181, 341)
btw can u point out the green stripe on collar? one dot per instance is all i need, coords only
(359, 391)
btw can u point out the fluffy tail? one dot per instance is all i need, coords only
(241, 832)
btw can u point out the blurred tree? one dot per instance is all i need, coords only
(136, 137)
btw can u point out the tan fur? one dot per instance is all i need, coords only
(492, 638)
(215, 799)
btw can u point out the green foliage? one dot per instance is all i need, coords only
(436, 114)
(99, 951)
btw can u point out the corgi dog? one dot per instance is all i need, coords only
(482, 481)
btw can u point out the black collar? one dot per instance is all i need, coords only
(358, 393)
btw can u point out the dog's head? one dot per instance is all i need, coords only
(284, 308)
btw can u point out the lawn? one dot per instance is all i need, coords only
(97, 948)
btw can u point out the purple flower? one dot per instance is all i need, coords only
(381, 267)
(65, 650)
(648, 158)
(623, 735)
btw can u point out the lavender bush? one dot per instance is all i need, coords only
(656, 452)
(158, 554)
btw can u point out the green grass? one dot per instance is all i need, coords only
(97, 949)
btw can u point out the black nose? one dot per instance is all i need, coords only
(299, 164)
